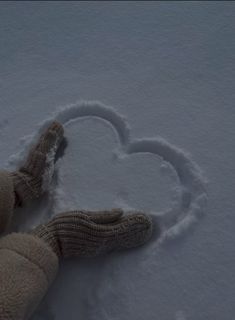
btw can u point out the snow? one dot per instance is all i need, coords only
(119, 178)
(50, 168)
(152, 130)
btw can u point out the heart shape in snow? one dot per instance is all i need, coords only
(190, 195)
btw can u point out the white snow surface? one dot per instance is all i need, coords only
(152, 130)
(115, 171)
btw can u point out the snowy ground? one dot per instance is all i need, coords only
(162, 77)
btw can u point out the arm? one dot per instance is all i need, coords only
(29, 181)
(29, 262)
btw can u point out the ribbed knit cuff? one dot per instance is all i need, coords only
(46, 234)
(26, 187)
(7, 200)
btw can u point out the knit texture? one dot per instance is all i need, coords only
(27, 268)
(7, 199)
(89, 234)
(33, 178)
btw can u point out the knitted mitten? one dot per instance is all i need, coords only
(7, 200)
(29, 262)
(88, 234)
(33, 178)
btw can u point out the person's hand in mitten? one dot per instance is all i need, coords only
(29, 262)
(89, 234)
(32, 179)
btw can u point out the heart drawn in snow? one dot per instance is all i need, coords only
(111, 173)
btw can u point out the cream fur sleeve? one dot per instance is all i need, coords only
(27, 268)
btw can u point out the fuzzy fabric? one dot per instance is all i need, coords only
(7, 200)
(27, 268)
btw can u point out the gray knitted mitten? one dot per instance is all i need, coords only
(32, 179)
(89, 234)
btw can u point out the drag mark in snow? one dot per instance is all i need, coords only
(192, 183)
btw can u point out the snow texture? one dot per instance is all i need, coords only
(50, 168)
(189, 191)
(154, 119)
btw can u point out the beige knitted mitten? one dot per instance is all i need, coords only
(32, 179)
(29, 262)
(89, 234)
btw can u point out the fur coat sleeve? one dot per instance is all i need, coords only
(27, 268)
